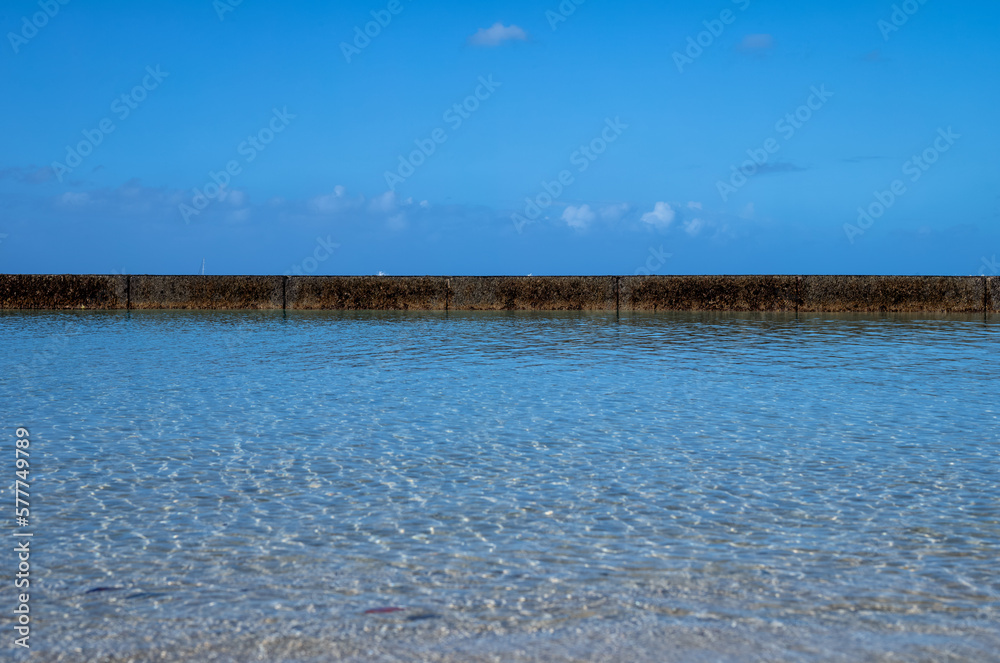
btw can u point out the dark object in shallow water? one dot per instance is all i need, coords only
(383, 611)
(422, 616)
(103, 589)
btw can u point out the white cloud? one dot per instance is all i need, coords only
(694, 205)
(578, 217)
(661, 216)
(497, 34)
(614, 212)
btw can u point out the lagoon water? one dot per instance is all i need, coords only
(216, 486)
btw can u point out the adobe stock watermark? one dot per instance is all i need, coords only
(455, 116)
(900, 16)
(23, 535)
(714, 28)
(656, 260)
(249, 149)
(321, 253)
(223, 7)
(381, 18)
(787, 127)
(562, 13)
(37, 21)
(990, 267)
(914, 168)
(122, 107)
(582, 158)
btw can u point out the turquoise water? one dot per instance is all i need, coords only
(524, 486)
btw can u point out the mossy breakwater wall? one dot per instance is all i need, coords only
(863, 294)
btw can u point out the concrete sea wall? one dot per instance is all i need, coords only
(864, 294)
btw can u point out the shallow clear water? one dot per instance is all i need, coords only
(526, 486)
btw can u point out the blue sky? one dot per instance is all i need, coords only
(599, 138)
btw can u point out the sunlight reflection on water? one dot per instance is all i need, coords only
(525, 485)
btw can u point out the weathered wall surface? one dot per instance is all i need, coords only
(708, 293)
(897, 294)
(206, 292)
(371, 293)
(533, 293)
(53, 291)
(863, 294)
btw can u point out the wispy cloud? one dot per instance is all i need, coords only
(780, 167)
(693, 226)
(385, 202)
(333, 203)
(29, 175)
(133, 201)
(497, 34)
(73, 199)
(614, 212)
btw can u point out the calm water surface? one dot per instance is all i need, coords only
(245, 486)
